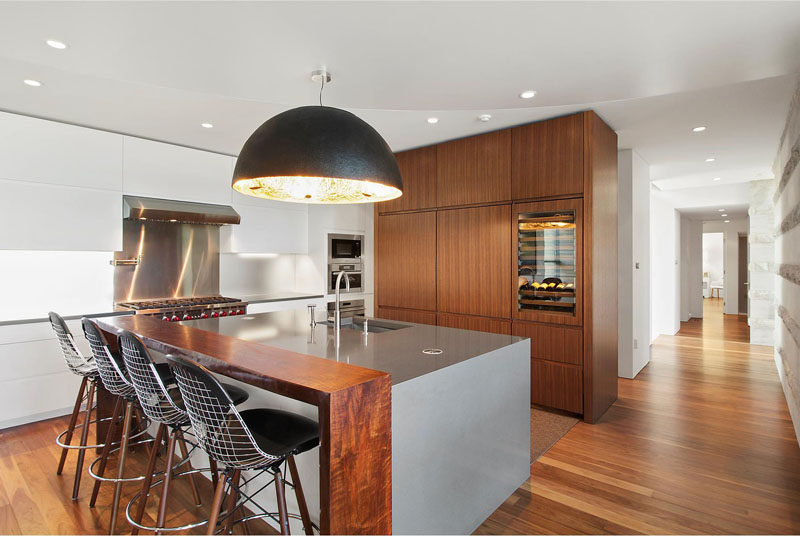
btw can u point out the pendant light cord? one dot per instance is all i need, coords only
(321, 87)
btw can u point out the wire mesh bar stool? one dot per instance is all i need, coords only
(109, 366)
(162, 404)
(86, 368)
(256, 439)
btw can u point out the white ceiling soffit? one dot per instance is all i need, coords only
(652, 70)
(720, 196)
(712, 213)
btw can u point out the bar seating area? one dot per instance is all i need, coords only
(156, 405)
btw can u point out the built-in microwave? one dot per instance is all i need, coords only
(344, 248)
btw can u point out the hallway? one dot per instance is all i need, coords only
(700, 442)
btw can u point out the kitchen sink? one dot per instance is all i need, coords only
(373, 326)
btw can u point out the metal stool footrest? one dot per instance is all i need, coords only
(139, 478)
(135, 498)
(60, 441)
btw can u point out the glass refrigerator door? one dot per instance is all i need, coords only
(546, 261)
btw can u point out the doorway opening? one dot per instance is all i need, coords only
(713, 274)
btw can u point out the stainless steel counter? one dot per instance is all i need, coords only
(397, 349)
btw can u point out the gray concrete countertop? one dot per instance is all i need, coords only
(396, 351)
(279, 296)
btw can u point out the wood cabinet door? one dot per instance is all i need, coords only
(547, 158)
(474, 170)
(407, 315)
(474, 261)
(557, 385)
(405, 260)
(474, 323)
(418, 169)
(552, 343)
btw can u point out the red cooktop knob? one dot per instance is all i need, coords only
(204, 315)
(165, 318)
(187, 316)
(214, 314)
(224, 313)
(174, 318)
(240, 312)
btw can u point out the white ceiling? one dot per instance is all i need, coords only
(712, 213)
(652, 70)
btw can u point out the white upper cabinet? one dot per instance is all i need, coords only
(36, 150)
(59, 218)
(154, 169)
(267, 227)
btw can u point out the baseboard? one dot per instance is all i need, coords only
(27, 419)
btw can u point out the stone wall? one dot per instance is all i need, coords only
(762, 262)
(786, 201)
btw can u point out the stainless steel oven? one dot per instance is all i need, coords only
(354, 272)
(344, 248)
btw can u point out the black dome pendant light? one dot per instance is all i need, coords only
(317, 154)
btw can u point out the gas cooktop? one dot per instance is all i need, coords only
(176, 309)
(175, 303)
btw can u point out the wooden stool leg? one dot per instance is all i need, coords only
(71, 427)
(280, 490)
(123, 451)
(84, 436)
(112, 429)
(216, 506)
(162, 505)
(233, 497)
(148, 477)
(212, 464)
(301, 498)
(192, 481)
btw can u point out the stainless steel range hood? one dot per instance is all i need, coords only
(150, 208)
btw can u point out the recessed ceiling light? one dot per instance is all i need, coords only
(433, 120)
(710, 159)
(717, 179)
(698, 129)
(484, 117)
(206, 125)
(727, 221)
(720, 210)
(528, 94)
(60, 45)
(724, 215)
(32, 83)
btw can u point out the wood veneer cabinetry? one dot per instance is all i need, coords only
(407, 315)
(475, 323)
(481, 183)
(547, 158)
(474, 261)
(418, 169)
(474, 170)
(405, 274)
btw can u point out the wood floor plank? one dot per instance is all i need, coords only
(701, 441)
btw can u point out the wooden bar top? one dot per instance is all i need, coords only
(299, 376)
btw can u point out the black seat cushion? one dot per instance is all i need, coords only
(237, 394)
(280, 433)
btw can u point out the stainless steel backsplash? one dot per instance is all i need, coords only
(177, 260)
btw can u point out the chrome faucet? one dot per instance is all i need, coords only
(337, 314)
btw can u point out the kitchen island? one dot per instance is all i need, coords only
(424, 429)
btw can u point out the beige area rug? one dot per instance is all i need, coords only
(547, 427)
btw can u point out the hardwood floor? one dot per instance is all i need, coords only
(699, 442)
(34, 500)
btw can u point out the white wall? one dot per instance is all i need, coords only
(664, 265)
(633, 263)
(731, 232)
